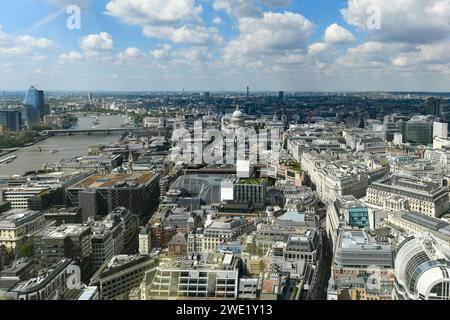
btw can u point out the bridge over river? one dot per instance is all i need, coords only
(102, 131)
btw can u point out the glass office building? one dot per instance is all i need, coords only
(11, 119)
(34, 106)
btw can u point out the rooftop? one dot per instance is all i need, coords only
(111, 180)
(16, 217)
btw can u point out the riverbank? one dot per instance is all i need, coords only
(7, 151)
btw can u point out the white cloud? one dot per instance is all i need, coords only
(176, 20)
(335, 34)
(161, 52)
(274, 33)
(217, 20)
(197, 54)
(72, 56)
(400, 62)
(131, 53)
(407, 21)
(95, 42)
(256, 65)
(318, 47)
(153, 12)
(22, 45)
(238, 8)
(198, 35)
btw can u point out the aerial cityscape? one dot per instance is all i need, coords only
(225, 150)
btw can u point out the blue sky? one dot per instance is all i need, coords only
(324, 45)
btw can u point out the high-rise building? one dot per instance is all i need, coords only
(440, 130)
(34, 106)
(281, 95)
(433, 107)
(11, 119)
(206, 97)
(419, 130)
(137, 192)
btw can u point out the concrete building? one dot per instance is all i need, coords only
(102, 243)
(423, 196)
(244, 190)
(346, 211)
(145, 241)
(118, 276)
(336, 178)
(51, 284)
(440, 130)
(361, 262)
(32, 197)
(204, 277)
(17, 226)
(66, 241)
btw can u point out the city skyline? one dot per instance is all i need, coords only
(219, 45)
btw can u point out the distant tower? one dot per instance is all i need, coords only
(433, 107)
(248, 104)
(90, 96)
(206, 97)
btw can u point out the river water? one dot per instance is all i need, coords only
(35, 156)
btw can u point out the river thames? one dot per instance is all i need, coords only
(62, 147)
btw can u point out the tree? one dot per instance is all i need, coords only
(27, 250)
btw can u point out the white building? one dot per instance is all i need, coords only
(440, 130)
(145, 241)
(422, 269)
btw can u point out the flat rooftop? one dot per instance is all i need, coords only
(16, 217)
(64, 231)
(110, 180)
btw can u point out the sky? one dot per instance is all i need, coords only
(221, 45)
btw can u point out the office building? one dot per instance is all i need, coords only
(346, 211)
(400, 192)
(71, 241)
(62, 215)
(34, 105)
(433, 107)
(52, 283)
(195, 277)
(34, 197)
(11, 119)
(362, 268)
(17, 226)
(252, 191)
(419, 130)
(422, 268)
(118, 276)
(440, 130)
(137, 192)
(145, 241)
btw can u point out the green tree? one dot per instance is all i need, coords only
(27, 250)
